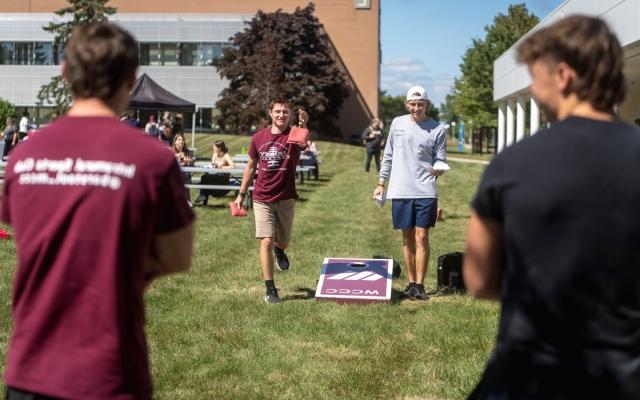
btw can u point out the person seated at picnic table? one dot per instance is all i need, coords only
(310, 158)
(311, 147)
(184, 156)
(166, 135)
(220, 159)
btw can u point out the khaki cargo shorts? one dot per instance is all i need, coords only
(274, 220)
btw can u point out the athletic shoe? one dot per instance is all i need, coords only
(409, 292)
(201, 200)
(421, 294)
(282, 261)
(272, 296)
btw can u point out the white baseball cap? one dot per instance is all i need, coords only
(417, 93)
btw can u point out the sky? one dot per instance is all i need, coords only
(423, 41)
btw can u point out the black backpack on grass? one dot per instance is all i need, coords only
(450, 271)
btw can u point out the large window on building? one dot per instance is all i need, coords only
(26, 53)
(155, 54)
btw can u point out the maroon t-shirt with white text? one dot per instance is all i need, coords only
(85, 196)
(277, 162)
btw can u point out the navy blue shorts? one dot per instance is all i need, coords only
(410, 213)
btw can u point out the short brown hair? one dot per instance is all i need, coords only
(279, 100)
(589, 47)
(99, 57)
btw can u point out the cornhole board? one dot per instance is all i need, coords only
(355, 280)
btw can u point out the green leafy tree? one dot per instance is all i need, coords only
(394, 106)
(7, 109)
(78, 12)
(280, 54)
(472, 95)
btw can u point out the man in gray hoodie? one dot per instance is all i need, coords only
(415, 144)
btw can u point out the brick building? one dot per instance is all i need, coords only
(178, 40)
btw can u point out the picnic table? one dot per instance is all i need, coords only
(242, 159)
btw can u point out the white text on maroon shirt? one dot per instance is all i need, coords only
(73, 172)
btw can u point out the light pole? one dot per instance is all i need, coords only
(461, 136)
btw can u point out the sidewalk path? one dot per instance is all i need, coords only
(467, 160)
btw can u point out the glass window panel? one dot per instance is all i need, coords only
(169, 54)
(43, 53)
(205, 54)
(143, 52)
(23, 53)
(217, 50)
(188, 53)
(149, 54)
(6, 53)
(58, 54)
(154, 54)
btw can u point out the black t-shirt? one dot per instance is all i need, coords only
(568, 199)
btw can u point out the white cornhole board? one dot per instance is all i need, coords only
(355, 280)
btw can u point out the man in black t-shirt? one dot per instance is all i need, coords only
(555, 230)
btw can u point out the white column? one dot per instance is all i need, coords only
(534, 117)
(502, 109)
(510, 106)
(520, 107)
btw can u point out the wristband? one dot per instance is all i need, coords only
(243, 194)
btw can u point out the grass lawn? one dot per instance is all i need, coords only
(212, 336)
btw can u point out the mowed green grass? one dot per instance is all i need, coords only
(212, 336)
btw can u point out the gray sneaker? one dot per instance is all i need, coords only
(282, 261)
(421, 294)
(272, 297)
(409, 292)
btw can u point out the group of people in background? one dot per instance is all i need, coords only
(14, 133)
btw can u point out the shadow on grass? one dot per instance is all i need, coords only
(302, 294)
(453, 216)
(213, 206)
(446, 291)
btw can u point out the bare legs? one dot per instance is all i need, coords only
(415, 249)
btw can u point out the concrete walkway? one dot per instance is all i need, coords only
(467, 160)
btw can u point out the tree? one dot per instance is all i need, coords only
(280, 54)
(57, 91)
(472, 95)
(394, 106)
(7, 109)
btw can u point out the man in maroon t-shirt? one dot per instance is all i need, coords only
(274, 192)
(98, 212)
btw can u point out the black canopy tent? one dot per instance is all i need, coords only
(147, 94)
